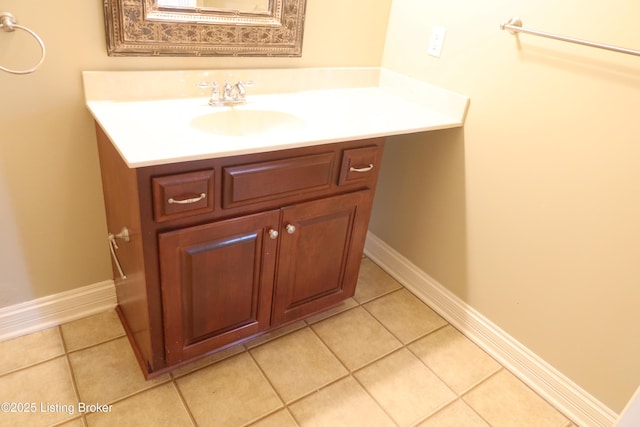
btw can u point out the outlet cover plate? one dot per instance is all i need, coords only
(437, 38)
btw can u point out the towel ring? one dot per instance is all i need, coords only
(8, 23)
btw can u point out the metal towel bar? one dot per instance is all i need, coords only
(514, 26)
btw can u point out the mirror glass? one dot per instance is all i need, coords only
(242, 6)
(204, 27)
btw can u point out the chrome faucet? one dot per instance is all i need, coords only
(230, 95)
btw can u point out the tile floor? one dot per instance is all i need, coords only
(382, 358)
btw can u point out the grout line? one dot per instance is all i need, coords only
(69, 420)
(65, 352)
(402, 346)
(387, 293)
(184, 402)
(436, 412)
(475, 412)
(135, 393)
(268, 414)
(76, 350)
(285, 405)
(39, 362)
(412, 340)
(433, 331)
(120, 398)
(382, 295)
(470, 389)
(72, 375)
(266, 378)
(374, 399)
(233, 351)
(474, 409)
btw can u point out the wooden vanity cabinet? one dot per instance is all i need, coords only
(224, 249)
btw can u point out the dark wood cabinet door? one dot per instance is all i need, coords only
(321, 247)
(217, 283)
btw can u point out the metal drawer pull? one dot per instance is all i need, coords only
(365, 169)
(187, 201)
(273, 234)
(291, 228)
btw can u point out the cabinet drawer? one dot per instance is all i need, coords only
(181, 195)
(258, 182)
(359, 164)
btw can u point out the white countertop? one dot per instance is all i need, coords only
(150, 127)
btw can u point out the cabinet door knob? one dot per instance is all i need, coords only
(273, 234)
(291, 228)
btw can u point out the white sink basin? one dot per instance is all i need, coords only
(244, 122)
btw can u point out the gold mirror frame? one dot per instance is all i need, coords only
(142, 28)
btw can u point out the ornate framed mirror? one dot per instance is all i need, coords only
(204, 27)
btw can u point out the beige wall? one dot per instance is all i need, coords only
(52, 225)
(532, 213)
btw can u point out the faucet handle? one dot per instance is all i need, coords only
(214, 99)
(241, 84)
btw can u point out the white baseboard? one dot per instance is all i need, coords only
(31, 316)
(582, 408)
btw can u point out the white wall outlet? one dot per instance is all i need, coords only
(437, 38)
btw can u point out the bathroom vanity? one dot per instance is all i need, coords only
(219, 235)
(227, 248)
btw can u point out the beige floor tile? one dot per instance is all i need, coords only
(356, 337)
(275, 334)
(405, 387)
(345, 305)
(503, 400)
(458, 414)
(91, 330)
(373, 282)
(405, 315)
(159, 406)
(343, 403)
(48, 386)
(230, 393)
(209, 360)
(108, 372)
(281, 418)
(454, 358)
(29, 349)
(298, 363)
(77, 422)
